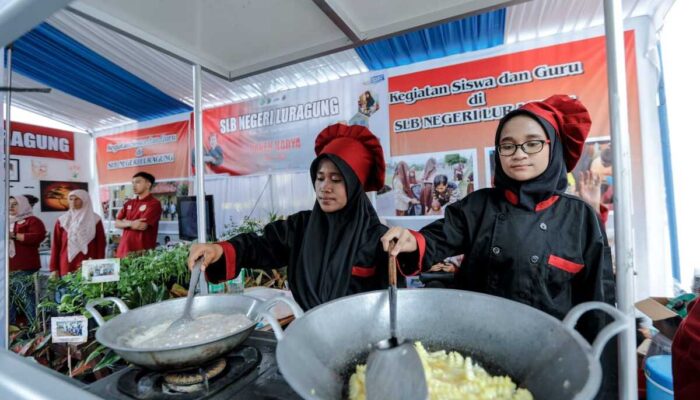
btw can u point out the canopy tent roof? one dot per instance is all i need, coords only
(263, 36)
(274, 32)
(153, 44)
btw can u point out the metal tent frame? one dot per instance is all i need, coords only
(339, 12)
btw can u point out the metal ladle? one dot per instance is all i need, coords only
(182, 322)
(394, 369)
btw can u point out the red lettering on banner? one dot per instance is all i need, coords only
(39, 141)
(276, 145)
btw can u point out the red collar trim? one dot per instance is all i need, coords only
(543, 205)
(512, 198)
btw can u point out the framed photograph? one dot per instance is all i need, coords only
(421, 185)
(490, 171)
(73, 329)
(97, 271)
(54, 194)
(14, 170)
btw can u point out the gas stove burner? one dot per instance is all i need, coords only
(192, 384)
(193, 380)
(194, 376)
(261, 381)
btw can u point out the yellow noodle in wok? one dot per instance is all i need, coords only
(451, 376)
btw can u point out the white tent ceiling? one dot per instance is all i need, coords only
(63, 107)
(542, 18)
(237, 38)
(231, 38)
(174, 77)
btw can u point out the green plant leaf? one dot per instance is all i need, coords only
(100, 350)
(110, 358)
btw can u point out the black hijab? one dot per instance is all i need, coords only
(551, 182)
(335, 242)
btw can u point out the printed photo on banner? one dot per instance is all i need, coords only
(490, 170)
(14, 170)
(367, 104)
(596, 159)
(596, 163)
(54, 194)
(423, 184)
(73, 329)
(96, 271)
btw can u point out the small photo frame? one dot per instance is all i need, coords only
(14, 170)
(73, 329)
(98, 271)
(414, 282)
(54, 194)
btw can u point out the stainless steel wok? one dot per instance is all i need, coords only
(317, 352)
(117, 332)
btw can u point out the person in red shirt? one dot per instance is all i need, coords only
(78, 235)
(26, 234)
(686, 356)
(139, 217)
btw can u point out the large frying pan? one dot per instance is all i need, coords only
(541, 353)
(117, 332)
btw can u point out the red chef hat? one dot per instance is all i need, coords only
(569, 118)
(359, 148)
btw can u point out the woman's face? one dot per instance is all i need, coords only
(440, 188)
(13, 206)
(330, 187)
(74, 202)
(522, 166)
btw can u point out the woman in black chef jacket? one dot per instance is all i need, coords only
(525, 239)
(332, 250)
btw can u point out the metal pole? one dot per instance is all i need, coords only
(4, 331)
(624, 246)
(273, 206)
(668, 173)
(199, 166)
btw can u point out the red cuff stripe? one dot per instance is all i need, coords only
(363, 272)
(420, 240)
(566, 265)
(230, 254)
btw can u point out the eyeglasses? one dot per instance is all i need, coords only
(529, 147)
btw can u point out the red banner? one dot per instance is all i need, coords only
(162, 151)
(227, 148)
(277, 132)
(38, 141)
(458, 106)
